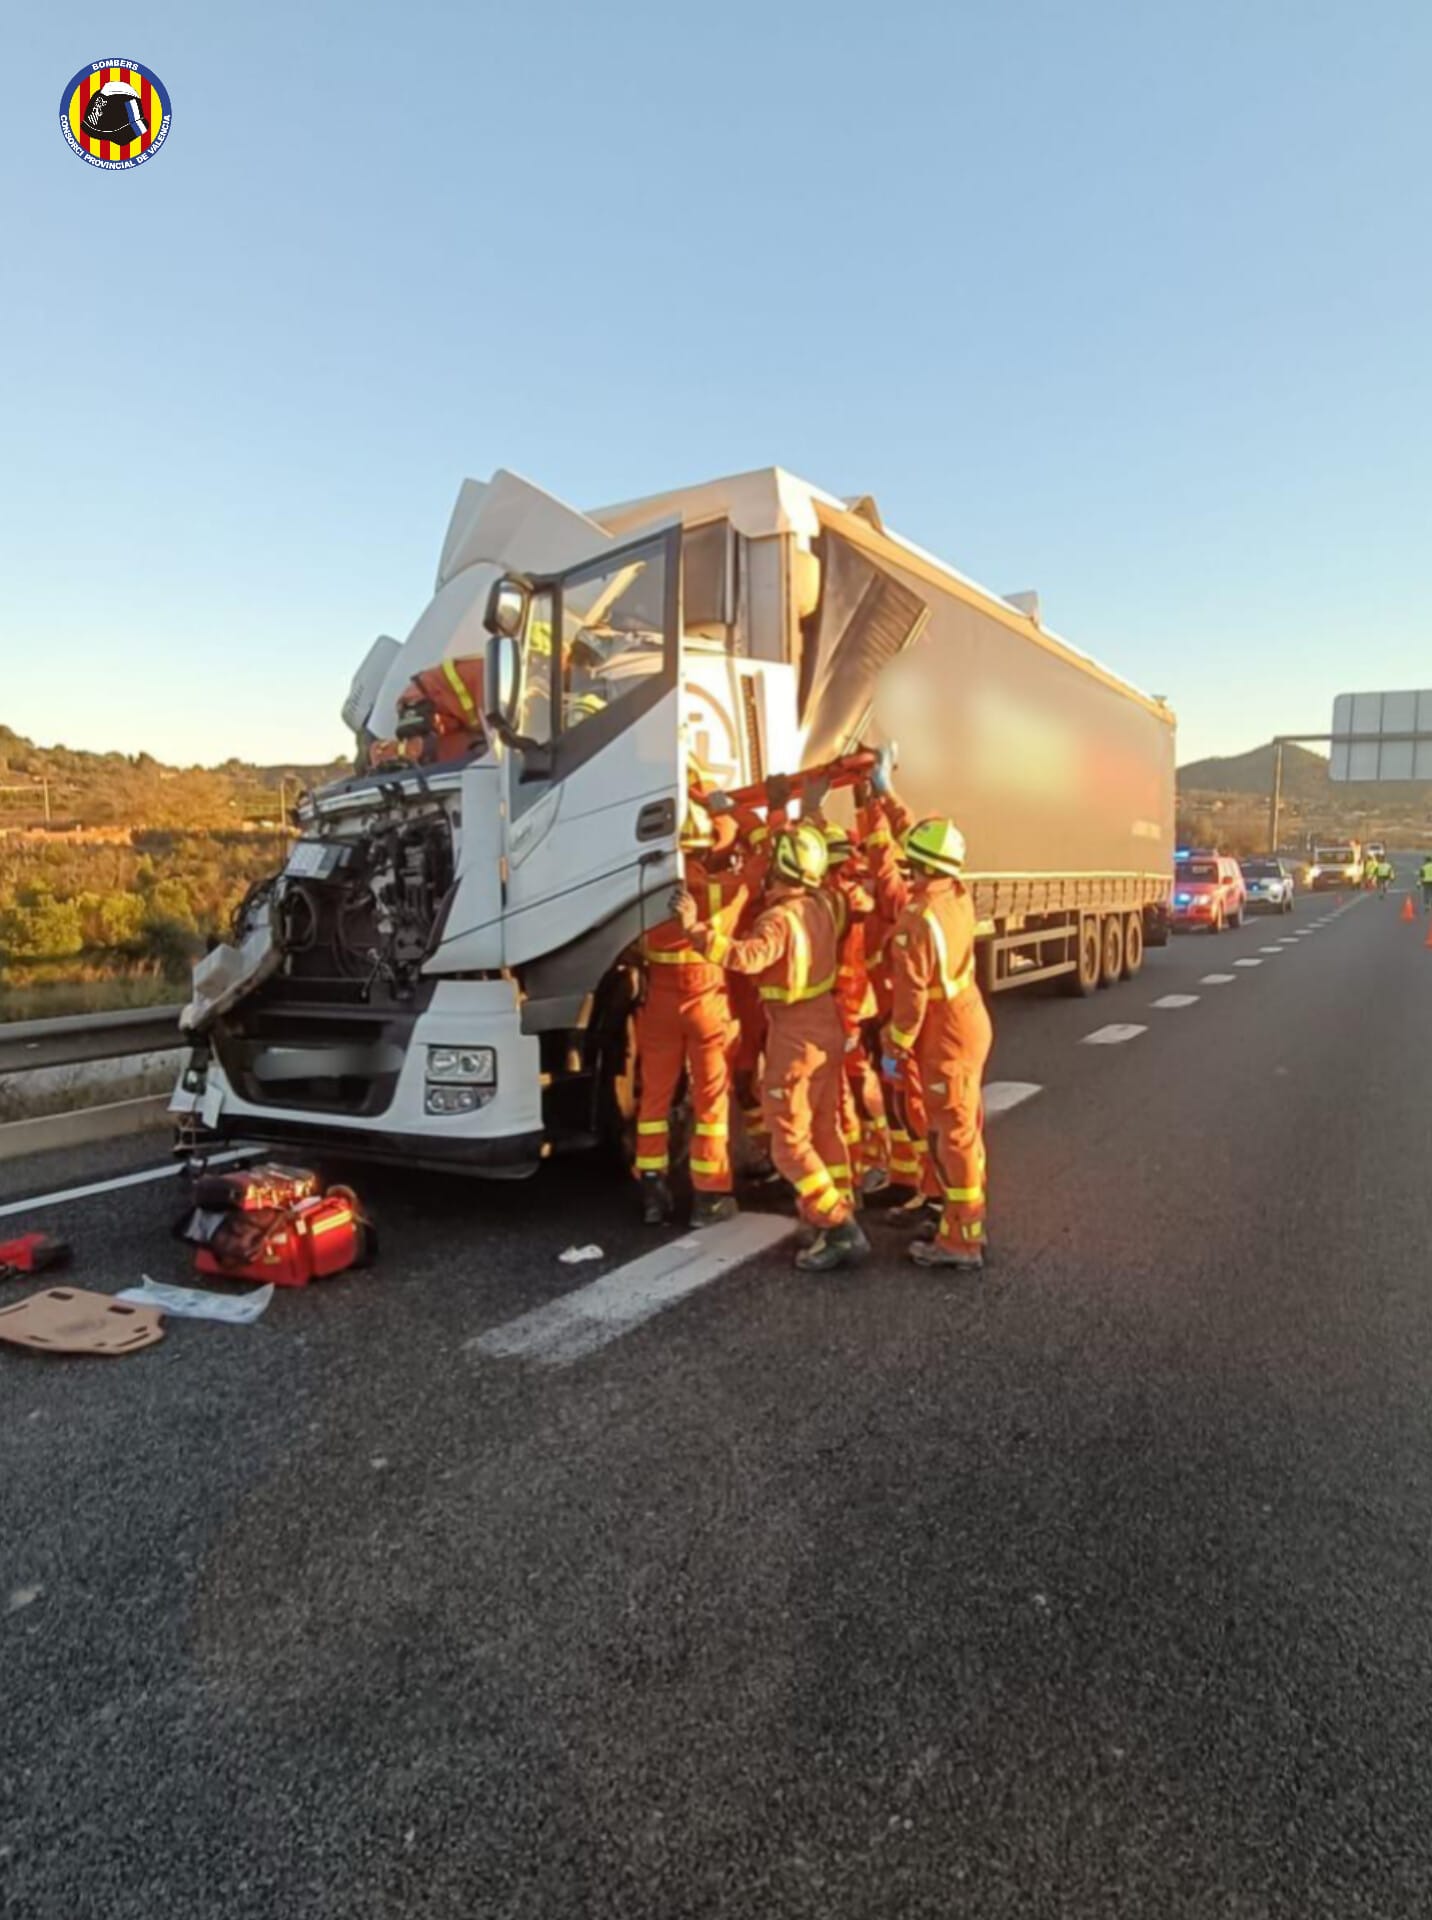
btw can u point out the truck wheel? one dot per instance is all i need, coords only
(1083, 977)
(1111, 950)
(1133, 945)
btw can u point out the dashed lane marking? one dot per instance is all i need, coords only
(121, 1180)
(1275, 951)
(1177, 1000)
(1000, 1095)
(578, 1323)
(1218, 979)
(1288, 942)
(1247, 963)
(1113, 1036)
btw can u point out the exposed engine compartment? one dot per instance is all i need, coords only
(359, 913)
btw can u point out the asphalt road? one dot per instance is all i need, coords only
(1101, 1587)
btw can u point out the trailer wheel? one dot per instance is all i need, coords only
(1133, 945)
(1111, 949)
(1083, 977)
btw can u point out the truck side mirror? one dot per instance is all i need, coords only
(502, 679)
(507, 605)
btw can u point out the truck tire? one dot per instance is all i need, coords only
(1111, 949)
(1133, 945)
(1083, 977)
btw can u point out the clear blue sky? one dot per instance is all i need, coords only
(1129, 303)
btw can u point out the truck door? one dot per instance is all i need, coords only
(596, 792)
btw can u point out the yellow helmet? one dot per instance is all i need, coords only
(935, 846)
(800, 854)
(697, 830)
(839, 845)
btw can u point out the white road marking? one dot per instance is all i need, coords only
(1177, 1000)
(122, 1180)
(1275, 951)
(1247, 963)
(1001, 1095)
(578, 1323)
(1113, 1036)
(1288, 942)
(1218, 979)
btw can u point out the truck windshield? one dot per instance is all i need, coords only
(1335, 856)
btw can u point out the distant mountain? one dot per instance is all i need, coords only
(63, 785)
(1305, 775)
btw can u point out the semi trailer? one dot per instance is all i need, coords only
(443, 972)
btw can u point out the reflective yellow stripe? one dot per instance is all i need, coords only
(879, 837)
(964, 1193)
(900, 1038)
(713, 899)
(713, 1129)
(708, 1166)
(652, 1163)
(839, 1173)
(717, 948)
(673, 956)
(812, 1181)
(651, 1126)
(827, 1202)
(951, 986)
(456, 682)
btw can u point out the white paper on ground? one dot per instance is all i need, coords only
(574, 1254)
(191, 1303)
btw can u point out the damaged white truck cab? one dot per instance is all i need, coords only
(444, 974)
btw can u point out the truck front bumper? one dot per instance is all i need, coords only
(306, 1090)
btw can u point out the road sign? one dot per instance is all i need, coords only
(1382, 736)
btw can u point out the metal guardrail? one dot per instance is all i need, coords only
(75, 1038)
(33, 1047)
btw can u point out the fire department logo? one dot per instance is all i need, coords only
(115, 114)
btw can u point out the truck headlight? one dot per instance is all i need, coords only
(470, 1066)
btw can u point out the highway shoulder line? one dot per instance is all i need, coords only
(140, 1179)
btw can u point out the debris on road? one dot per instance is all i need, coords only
(196, 1303)
(32, 1253)
(575, 1255)
(64, 1320)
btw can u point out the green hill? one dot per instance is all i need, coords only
(64, 786)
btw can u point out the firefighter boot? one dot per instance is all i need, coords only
(922, 1214)
(840, 1246)
(929, 1253)
(710, 1209)
(656, 1206)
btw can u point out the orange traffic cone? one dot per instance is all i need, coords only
(1409, 912)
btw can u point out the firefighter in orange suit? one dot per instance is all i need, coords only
(883, 821)
(862, 1103)
(939, 1019)
(791, 952)
(684, 1024)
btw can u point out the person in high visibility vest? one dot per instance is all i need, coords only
(792, 953)
(684, 1025)
(1386, 874)
(1425, 876)
(862, 1105)
(939, 1020)
(1369, 872)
